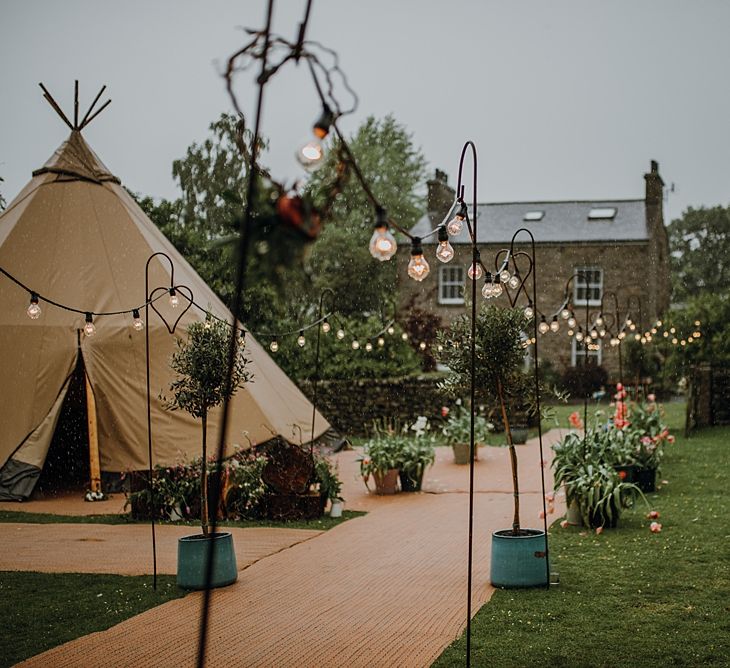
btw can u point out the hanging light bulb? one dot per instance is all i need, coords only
(543, 327)
(554, 325)
(666, 335)
(381, 341)
(355, 344)
(497, 289)
(404, 336)
(445, 251)
(274, 346)
(504, 275)
(475, 271)
(369, 346)
(89, 328)
(487, 288)
(572, 322)
(658, 323)
(621, 336)
(301, 341)
(137, 322)
(33, 310)
(418, 267)
(697, 323)
(340, 334)
(579, 334)
(697, 334)
(643, 340)
(382, 244)
(602, 332)
(326, 327)
(594, 333)
(174, 299)
(599, 320)
(637, 337)
(674, 341)
(690, 339)
(515, 280)
(565, 313)
(391, 330)
(673, 330)
(571, 332)
(529, 311)
(310, 153)
(632, 326)
(322, 125)
(614, 342)
(456, 224)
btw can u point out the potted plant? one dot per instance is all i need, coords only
(518, 554)
(330, 485)
(380, 458)
(201, 364)
(415, 454)
(649, 433)
(457, 431)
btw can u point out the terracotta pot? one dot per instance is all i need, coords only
(386, 482)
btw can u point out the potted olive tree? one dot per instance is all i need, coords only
(517, 554)
(201, 364)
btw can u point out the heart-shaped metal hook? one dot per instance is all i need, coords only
(185, 291)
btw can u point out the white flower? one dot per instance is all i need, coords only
(420, 425)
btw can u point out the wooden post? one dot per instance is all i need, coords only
(94, 466)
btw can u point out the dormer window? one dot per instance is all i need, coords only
(605, 213)
(533, 215)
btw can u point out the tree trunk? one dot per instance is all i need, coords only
(513, 461)
(204, 478)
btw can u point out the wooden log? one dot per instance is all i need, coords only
(94, 465)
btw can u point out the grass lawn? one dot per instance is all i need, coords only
(43, 610)
(628, 597)
(323, 524)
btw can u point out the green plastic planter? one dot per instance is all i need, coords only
(519, 561)
(192, 553)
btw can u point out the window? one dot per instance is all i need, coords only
(607, 213)
(578, 352)
(451, 285)
(533, 215)
(588, 285)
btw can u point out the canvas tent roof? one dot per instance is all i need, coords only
(75, 235)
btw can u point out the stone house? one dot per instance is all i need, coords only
(612, 245)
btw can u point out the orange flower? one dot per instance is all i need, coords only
(575, 421)
(599, 531)
(655, 527)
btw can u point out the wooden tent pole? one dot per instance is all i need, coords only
(94, 466)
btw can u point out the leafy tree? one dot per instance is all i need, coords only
(201, 363)
(395, 169)
(700, 252)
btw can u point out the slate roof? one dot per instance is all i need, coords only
(563, 222)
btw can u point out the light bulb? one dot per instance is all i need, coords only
(311, 154)
(301, 341)
(628, 321)
(529, 311)
(355, 344)
(554, 325)
(381, 341)
(571, 332)
(391, 330)
(487, 289)
(579, 335)
(33, 310)
(326, 327)
(543, 327)
(658, 323)
(637, 337)
(697, 334)
(643, 339)
(697, 323)
(422, 345)
(666, 335)
(674, 341)
(418, 268)
(445, 251)
(368, 346)
(404, 336)
(497, 290)
(572, 322)
(690, 339)
(601, 333)
(514, 282)
(340, 334)
(594, 333)
(382, 244)
(599, 320)
(504, 275)
(565, 314)
(632, 326)
(475, 271)
(89, 328)
(673, 330)
(456, 224)
(137, 322)
(621, 336)
(174, 299)
(274, 346)
(614, 341)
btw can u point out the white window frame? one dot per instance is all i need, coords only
(577, 349)
(446, 284)
(579, 273)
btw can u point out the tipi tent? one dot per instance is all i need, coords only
(74, 235)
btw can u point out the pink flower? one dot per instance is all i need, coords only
(444, 411)
(653, 515)
(619, 386)
(550, 497)
(564, 523)
(551, 508)
(651, 397)
(575, 421)
(599, 531)
(670, 438)
(655, 527)
(646, 440)
(542, 514)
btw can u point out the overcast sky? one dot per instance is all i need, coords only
(564, 99)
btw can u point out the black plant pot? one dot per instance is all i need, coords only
(411, 482)
(645, 479)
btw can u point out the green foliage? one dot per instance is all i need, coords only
(458, 427)
(201, 362)
(325, 474)
(700, 252)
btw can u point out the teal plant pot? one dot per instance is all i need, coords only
(192, 553)
(461, 453)
(519, 561)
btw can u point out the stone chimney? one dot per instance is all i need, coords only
(658, 240)
(440, 194)
(654, 186)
